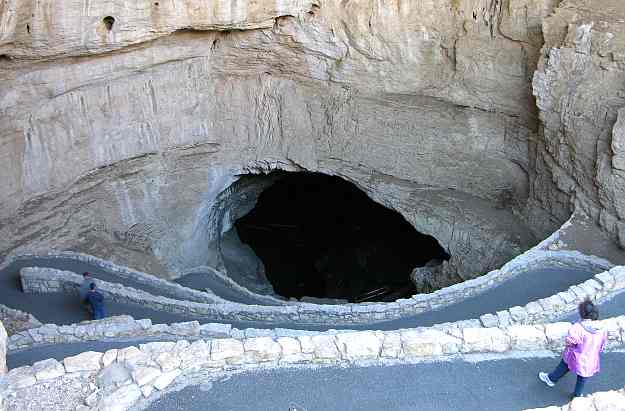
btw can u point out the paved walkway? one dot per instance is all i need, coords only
(496, 385)
(64, 309)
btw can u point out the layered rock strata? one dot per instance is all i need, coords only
(580, 93)
(114, 131)
(122, 123)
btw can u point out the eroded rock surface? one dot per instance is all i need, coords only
(121, 142)
(580, 92)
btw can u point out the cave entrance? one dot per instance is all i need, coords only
(321, 236)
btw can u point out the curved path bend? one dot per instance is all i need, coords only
(64, 309)
(484, 385)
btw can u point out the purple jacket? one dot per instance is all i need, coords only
(583, 346)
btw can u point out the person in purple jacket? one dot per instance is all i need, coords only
(584, 344)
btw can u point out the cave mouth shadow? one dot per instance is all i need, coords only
(321, 236)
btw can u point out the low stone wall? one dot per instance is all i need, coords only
(123, 376)
(599, 401)
(601, 286)
(117, 327)
(3, 350)
(539, 256)
(15, 320)
(228, 282)
(3, 361)
(168, 287)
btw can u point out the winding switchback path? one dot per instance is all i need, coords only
(64, 309)
(487, 385)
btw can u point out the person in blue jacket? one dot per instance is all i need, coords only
(96, 301)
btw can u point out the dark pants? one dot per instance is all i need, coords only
(98, 313)
(562, 369)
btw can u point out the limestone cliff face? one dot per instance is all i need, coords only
(124, 121)
(580, 91)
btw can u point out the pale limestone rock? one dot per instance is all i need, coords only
(504, 318)
(76, 33)
(606, 279)
(581, 404)
(556, 333)
(261, 349)
(228, 349)
(147, 390)
(21, 377)
(167, 378)
(518, 314)
(168, 361)
(489, 320)
(48, 369)
(534, 310)
(619, 277)
(609, 401)
(325, 347)
(145, 375)
(153, 348)
(290, 346)
(133, 357)
(306, 342)
(484, 340)
(463, 84)
(359, 345)
(3, 349)
(112, 374)
(215, 330)
(391, 346)
(196, 355)
(428, 342)
(190, 329)
(109, 357)
(92, 399)
(121, 399)
(129, 354)
(527, 337)
(86, 361)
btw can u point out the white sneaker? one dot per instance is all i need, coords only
(544, 377)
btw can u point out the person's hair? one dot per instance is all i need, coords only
(92, 286)
(85, 274)
(588, 310)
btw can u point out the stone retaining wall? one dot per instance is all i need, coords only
(15, 320)
(3, 351)
(3, 361)
(123, 376)
(117, 327)
(149, 280)
(51, 280)
(602, 286)
(599, 401)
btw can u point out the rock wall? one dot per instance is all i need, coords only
(580, 93)
(3, 352)
(126, 375)
(118, 134)
(111, 136)
(15, 321)
(604, 285)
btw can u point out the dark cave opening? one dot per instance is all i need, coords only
(321, 236)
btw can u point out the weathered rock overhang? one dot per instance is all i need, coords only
(111, 142)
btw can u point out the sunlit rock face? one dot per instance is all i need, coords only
(126, 125)
(580, 92)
